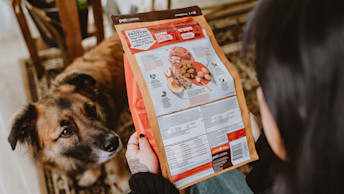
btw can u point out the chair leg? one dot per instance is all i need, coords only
(98, 19)
(30, 42)
(71, 28)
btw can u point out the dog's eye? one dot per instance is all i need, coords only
(67, 132)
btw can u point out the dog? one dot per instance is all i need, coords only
(72, 128)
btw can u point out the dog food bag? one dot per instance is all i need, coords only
(184, 95)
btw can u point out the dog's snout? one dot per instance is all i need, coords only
(111, 144)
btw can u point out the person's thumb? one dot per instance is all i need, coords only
(132, 146)
(144, 144)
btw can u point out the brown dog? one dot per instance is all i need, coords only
(72, 129)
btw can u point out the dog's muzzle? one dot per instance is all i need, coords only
(107, 147)
(110, 144)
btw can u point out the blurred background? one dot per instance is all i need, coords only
(38, 38)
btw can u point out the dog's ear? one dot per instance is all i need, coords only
(84, 83)
(79, 80)
(23, 126)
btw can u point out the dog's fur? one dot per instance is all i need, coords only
(72, 128)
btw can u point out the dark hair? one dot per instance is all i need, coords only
(299, 47)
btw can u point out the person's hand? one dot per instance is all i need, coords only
(140, 156)
(255, 127)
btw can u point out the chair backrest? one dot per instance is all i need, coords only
(47, 23)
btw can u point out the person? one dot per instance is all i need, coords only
(299, 46)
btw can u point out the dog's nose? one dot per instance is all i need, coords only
(111, 144)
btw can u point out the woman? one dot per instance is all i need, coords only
(299, 48)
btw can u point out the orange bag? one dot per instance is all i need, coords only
(137, 106)
(184, 95)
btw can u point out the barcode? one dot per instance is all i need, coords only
(237, 151)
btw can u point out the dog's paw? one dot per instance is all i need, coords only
(89, 178)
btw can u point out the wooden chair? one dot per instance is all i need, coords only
(50, 28)
(69, 42)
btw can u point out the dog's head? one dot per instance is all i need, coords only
(67, 129)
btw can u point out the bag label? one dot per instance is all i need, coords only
(194, 98)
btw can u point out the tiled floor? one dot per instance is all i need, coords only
(17, 173)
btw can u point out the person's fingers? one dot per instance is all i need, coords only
(132, 147)
(255, 127)
(133, 139)
(144, 144)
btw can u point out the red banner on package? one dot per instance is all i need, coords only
(236, 134)
(193, 171)
(220, 148)
(151, 37)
